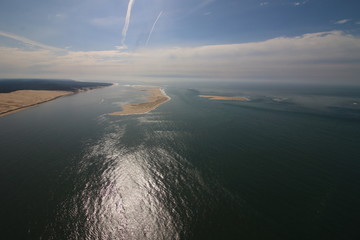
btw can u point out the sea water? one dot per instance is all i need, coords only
(283, 165)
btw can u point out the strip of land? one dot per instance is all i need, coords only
(19, 94)
(224, 98)
(22, 99)
(156, 98)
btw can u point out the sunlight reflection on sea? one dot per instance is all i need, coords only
(132, 192)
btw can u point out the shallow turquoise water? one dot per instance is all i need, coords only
(284, 165)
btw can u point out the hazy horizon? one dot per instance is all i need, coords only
(275, 41)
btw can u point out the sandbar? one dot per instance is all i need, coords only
(224, 98)
(22, 99)
(156, 98)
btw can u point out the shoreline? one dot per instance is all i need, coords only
(211, 97)
(16, 101)
(22, 99)
(156, 98)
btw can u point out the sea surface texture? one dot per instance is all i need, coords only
(283, 165)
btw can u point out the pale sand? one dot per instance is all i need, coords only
(21, 99)
(156, 98)
(224, 98)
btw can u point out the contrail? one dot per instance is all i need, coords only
(29, 42)
(127, 21)
(153, 26)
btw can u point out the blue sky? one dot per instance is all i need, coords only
(283, 40)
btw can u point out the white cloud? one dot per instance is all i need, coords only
(61, 15)
(328, 56)
(264, 3)
(299, 3)
(107, 21)
(342, 21)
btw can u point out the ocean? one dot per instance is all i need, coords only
(283, 165)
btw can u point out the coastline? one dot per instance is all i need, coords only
(22, 99)
(210, 97)
(156, 98)
(12, 102)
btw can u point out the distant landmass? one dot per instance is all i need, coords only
(11, 85)
(18, 94)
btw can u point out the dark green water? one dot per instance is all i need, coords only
(284, 165)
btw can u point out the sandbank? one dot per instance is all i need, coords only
(224, 98)
(156, 98)
(22, 99)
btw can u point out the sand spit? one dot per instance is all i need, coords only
(224, 98)
(21, 99)
(156, 98)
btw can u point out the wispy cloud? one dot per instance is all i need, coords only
(58, 17)
(127, 21)
(299, 3)
(153, 27)
(28, 41)
(204, 3)
(296, 4)
(342, 21)
(61, 15)
(106, 21)
(201, 5)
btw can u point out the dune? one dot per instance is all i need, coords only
(22, 99)
(156, 98)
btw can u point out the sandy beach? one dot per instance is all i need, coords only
(156, 98)
(224, 98)
(22, 99)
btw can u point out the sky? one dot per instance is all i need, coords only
(315, 41)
